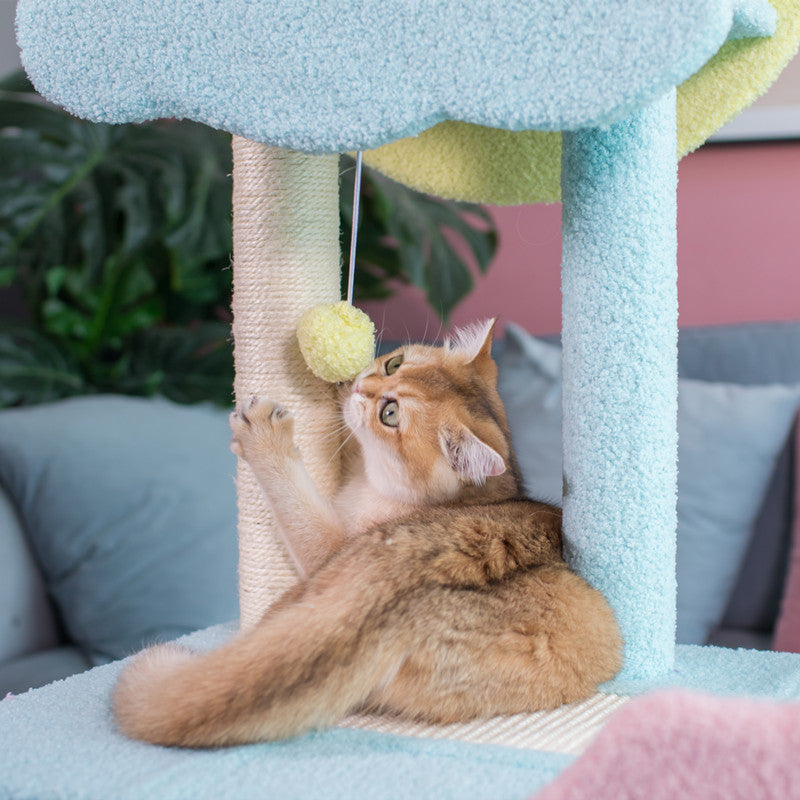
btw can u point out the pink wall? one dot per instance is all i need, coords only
(738, 250)
(739, 234)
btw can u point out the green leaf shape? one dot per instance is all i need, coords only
(187, 365)
(34, 368)
(118, 239)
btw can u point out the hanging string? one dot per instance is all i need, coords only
(354, 228)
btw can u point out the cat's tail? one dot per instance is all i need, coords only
(315, 657)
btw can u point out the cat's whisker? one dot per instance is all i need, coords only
(341, 424)
(382, 331)
(331, 434)
(378, 341)
(338, 449)
(439, 332)
(338, 424)
(407, 338)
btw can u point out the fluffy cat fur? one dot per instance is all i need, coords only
(430, 587)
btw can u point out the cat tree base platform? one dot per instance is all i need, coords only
(59, 742)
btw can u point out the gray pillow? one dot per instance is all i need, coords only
(27, 623)
(729, 439)
(129, 506)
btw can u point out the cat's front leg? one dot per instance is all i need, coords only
(263, 435)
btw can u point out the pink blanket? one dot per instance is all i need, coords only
(678, 745)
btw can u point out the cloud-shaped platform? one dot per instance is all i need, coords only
(329, 76)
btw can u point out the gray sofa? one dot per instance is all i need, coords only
(117, 518)
(753, 355)
(117, 529)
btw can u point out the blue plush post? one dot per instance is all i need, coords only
(620, 373)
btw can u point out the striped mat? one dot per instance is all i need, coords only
(568, 729)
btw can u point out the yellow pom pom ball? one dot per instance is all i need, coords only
(337, 341)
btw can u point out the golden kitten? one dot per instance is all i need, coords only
(430, 587)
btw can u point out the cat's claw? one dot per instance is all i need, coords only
(261, 427)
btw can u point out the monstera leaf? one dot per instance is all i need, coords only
(118, 239)
(33, 368)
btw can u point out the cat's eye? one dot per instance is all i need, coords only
(393, 364)
(389, 415)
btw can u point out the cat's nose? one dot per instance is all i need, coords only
(362, 391)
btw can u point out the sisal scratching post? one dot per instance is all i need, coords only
(620, 331)
(285, 260)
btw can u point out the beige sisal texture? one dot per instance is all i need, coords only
(568, 729)
(285, 260)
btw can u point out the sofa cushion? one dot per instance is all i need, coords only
(787, 629)
(129, 506)
(729, 439)
(27, 622)
(754, 353)
(39, 669)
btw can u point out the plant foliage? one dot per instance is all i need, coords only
(118, 240)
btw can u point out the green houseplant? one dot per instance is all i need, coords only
(117, 241)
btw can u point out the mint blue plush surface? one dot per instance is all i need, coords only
(59, 742)
(619, 336)
(320, 75)
(752, 18)
(729, 437)
(129, 507)
(722, 671)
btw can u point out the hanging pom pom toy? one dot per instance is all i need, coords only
(338, 341)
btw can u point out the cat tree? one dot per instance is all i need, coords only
(497, 102)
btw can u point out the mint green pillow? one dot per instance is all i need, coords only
(129, 508)
(729, 438)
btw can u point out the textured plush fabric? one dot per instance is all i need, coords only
(619, 334)
(59, 742)
(689, 746)
(787, 631)
(740, 72)
(729, 437)
(130, 509)
(463, 161)
(721, 671)
(322, 76)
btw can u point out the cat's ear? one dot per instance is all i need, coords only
(474, 341)
(470, 457)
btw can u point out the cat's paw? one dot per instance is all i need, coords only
(262, 429)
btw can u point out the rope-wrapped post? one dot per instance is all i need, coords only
(285, 260)
(620, 330)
